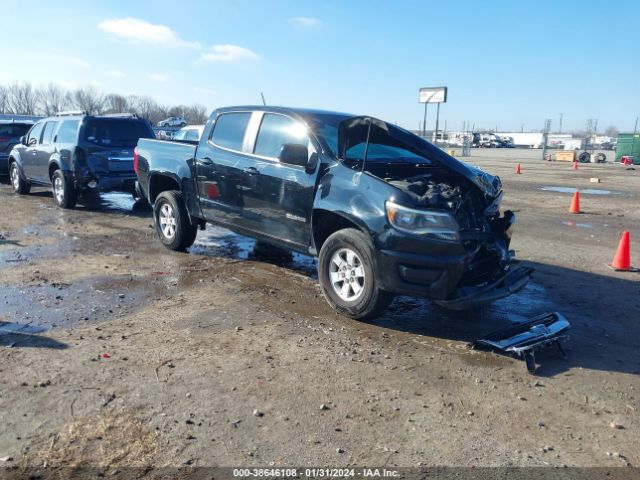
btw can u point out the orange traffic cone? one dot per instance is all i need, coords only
(575, 165)
(518, 169)
(622, 260)
(575, 203)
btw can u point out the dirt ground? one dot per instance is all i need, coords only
(117, 352)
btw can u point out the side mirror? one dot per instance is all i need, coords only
(294, 154)
(23, 140)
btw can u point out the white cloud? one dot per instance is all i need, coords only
(142, 32)
(306, 22)
(117, 74)
(158, 77)
(228, 53)
(206, 91)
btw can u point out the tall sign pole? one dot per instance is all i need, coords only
(432, 95)
(437, 121)
(424, 121)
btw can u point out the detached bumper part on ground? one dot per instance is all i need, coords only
(523, 339)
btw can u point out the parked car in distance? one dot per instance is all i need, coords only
(173, 122)
(75, 152)
(609, 146)
(10, 133)
(192, 133)
(386, 212)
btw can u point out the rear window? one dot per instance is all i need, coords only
(116, 133)
(229, 130)
(67, 131)
(14, 130)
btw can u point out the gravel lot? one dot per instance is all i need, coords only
(127, 354)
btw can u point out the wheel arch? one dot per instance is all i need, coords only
(160, 182)
(326, 222)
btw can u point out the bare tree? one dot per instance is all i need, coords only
(3, 99)
(22, 99)
(53, 99)
(196, 114)
(144, 106)
(89, 100)
(116, 103)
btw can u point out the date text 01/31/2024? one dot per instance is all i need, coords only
(314, 472)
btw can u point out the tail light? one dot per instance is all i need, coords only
(135, 160)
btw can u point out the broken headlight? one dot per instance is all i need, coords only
(423, 222)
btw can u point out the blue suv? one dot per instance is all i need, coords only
(75, 152)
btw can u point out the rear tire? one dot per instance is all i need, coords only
(345, 268)
(64, 192)
(21, 187)
(172, 221)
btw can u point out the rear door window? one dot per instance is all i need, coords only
(229, 130)
(47, 136)
(68, 131)
(276, 131)
(35, 133)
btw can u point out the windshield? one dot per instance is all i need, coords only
(116, 132)
(387, 143)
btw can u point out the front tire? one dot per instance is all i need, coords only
(64, 192)
(345, 267)
(172, 221)
(21, 187)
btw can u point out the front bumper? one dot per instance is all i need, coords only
(469, 297)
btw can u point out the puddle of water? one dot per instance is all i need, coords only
(115, 202)
(219, 242)
(587, 191)
(50, 305)
(10, 327)
(571, 223)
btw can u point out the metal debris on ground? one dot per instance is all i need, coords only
(524, 339)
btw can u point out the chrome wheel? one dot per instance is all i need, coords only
(15, 177)
(346, 274)
(167, 220)
(58, 189)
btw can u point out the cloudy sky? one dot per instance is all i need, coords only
(506, 63)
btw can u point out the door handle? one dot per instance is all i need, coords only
(206, 161)
(251, 171)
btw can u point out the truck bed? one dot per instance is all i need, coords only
(174, 159)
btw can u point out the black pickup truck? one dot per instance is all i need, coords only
(385, 211)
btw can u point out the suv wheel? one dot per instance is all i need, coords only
(172, 221)
(19, 185)
(345, 268)
(64, 193)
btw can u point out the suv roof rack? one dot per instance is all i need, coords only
(68, 113)
(122, 115)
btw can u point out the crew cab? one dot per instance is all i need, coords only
(74, 152)
(386, 212)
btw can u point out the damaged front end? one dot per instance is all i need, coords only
(450, 212)
(485, 234)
